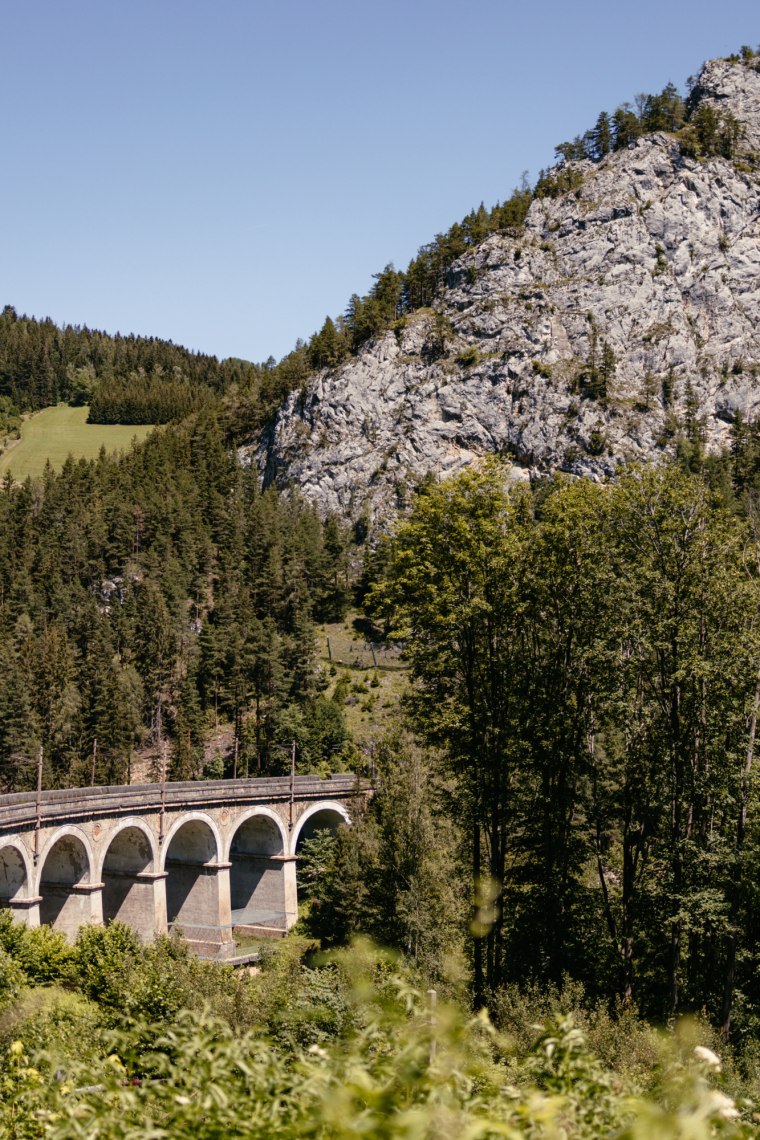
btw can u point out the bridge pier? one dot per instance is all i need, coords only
(67, 906)
(290, 890)
(154, 910)
(198, 905)
(198, 887)
(139, 899)
(134, 892)
(23, 910)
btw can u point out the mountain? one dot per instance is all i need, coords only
(621, 322)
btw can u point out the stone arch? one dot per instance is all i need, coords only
(65, 884)
(194, 903)
(258, 889)
(128, 876)
(325, 814)
(190, 838)
(15, 876)
(250, 814)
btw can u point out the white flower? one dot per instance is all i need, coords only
(712, 1060)
(722, 1105)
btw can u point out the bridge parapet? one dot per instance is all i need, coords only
(20, 808)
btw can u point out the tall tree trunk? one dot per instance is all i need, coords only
(633, 854)
(677, 790)
(741, 829)
(479, 986)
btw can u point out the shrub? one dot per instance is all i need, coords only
(103, 960)
(12, 979)
(469, 357)
(43, 954)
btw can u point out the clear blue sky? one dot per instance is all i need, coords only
(226, 173)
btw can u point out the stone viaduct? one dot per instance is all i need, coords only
(201, 857)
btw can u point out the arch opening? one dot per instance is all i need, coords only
(126, 896)
(13, 878)
(321, 821)
(192, 886)
(257, 877)
(65, 894)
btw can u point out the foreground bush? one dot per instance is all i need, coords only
(395, 1069)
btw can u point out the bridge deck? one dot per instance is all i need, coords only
(19, 809)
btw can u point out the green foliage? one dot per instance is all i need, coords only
(703, 130)
(144, 595)
(21, 1085)
(595, 378)
(43, 954)
(101, 960)
(394, 1069)
(140, 398)
(10, 418)
(82, 384)
(12, 978)
(469, 357)
(664, 112)
(320, 735)
(396, 873)
(42, 364)
(597, 442)
(350, 1046)
(710, 132)
(329, 346)
(452, 568)
(555, 183)
(590, 673)
(61, 1024)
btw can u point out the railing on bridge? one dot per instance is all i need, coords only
(274, 921)
(218, 941)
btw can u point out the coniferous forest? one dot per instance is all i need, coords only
(144, 595)
(543, 922)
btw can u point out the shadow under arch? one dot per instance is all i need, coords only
(128, 880)
(65, 888)
(257, 875)
(326, 816)
(14, 877)
(192, 885)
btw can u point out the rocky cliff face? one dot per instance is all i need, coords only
(626, 312)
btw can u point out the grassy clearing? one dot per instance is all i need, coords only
(372, 694)
(55, 433)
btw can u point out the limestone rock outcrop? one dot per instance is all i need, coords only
(626, 312)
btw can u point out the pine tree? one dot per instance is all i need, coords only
(601, 137)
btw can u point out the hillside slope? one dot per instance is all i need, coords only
(626, 313)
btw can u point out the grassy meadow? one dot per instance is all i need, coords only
(55, 433)
(369, 691)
